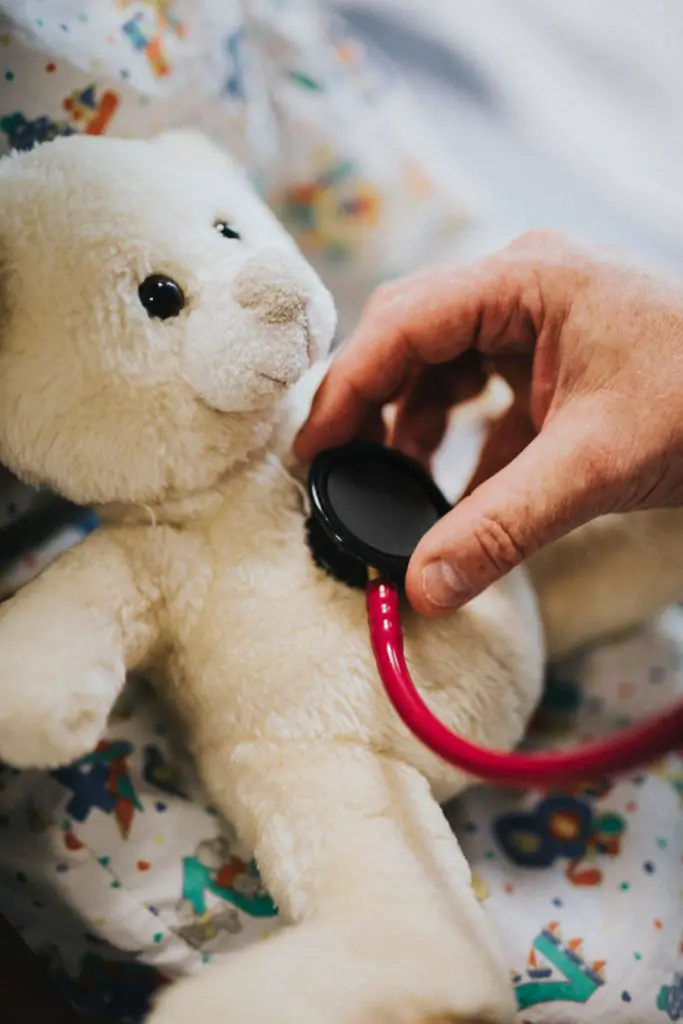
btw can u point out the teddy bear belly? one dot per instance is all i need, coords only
(282, 651)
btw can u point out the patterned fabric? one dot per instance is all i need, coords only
(584, 884)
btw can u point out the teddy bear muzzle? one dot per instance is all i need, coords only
(250, 344)
(265, 286)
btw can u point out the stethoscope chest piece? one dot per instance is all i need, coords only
(370, 507)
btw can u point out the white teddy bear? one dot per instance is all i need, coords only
(153, 315)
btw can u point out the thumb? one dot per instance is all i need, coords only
(562, 479)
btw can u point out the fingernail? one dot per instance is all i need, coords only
(443, 585)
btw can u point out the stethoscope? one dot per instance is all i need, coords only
(370, 506)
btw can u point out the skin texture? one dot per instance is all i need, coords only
(592, 349)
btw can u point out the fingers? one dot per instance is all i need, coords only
(423, 413)
(515, 429)
(430, 319)
(565, 477)
(373, 427)
(506, 439)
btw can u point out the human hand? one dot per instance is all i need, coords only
(593, 351)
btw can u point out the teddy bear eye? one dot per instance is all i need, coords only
(225, 228)
(161, 296)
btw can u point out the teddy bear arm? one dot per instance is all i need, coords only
(66, 641)
(608, 577)
(360, 861)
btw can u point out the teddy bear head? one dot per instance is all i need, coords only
(153, 314)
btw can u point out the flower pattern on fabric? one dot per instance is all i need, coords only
(562, 827)
(332, 211)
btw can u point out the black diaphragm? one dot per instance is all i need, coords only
(370, 507)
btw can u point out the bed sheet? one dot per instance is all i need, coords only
(565, 115)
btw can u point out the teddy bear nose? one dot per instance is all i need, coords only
(264, 284)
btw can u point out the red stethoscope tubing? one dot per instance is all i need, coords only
(627, 750)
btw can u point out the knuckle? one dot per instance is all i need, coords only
(500, 549)
(655, 485)
(546, 240)
(608, 473)
(384, 296)
(573, 266)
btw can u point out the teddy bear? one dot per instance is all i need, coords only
(155, 324)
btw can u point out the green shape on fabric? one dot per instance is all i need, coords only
(301, 78)
(198, 879)
(577, 986)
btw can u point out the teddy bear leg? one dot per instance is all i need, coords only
(384, 925)
(608, 577)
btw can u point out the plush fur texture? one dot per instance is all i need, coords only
(202, 577)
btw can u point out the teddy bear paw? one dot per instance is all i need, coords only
(48, 720)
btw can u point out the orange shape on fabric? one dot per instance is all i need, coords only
(564, 825)
(226, 875)
(585, 877)
(143, 865)
(72, 842)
